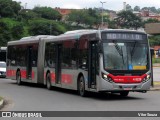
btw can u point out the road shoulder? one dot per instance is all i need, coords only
(1, 102)
(156, 86)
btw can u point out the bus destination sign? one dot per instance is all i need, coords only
(124, 36)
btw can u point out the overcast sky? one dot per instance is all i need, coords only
(110, 4)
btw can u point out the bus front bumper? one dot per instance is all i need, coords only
(140, 87)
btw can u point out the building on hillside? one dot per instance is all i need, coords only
(64, 12)
(156, 51)
(152, 28)
(112, 15)
(146, 14)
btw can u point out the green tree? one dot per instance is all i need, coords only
(112, 24)
(126, 19)
(137, 8)
(9, 8)
(10, 29)
(17, 31)
(145, 8)
(150, 20)
(78, 16)
(48, 13)
(87, 17)
(153, 9)
(27, 15)
(5, 34)
(154, 40)
(158, 10)
(129, 8)
(45, 27)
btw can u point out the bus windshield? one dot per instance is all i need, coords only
(125, 55)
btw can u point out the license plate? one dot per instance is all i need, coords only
(127, 88)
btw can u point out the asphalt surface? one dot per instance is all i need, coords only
(30, 97)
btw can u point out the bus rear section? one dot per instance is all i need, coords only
(22, 62)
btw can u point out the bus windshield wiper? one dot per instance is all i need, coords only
(133, 50)
(119, 50)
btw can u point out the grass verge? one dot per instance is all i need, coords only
(156, 83)
(156, 60)
(0, 98)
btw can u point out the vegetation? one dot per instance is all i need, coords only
(86, 17)
(9, 8)
(155, 60)
(126, 19)
(154, 40)
(1, 98)
(47, 13)
(137, 8)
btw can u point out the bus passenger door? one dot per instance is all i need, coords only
(58, 64)
(29, 63)
(93, 64)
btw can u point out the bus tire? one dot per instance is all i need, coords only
(81, 87)
(124, 93)
(18, 78)
(48, 82)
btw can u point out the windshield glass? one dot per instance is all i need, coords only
(125, 55)
(2, 65)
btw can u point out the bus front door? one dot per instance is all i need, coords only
(29, 63)
(93, 64)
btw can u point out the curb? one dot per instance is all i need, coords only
(155, 66)
(155, 89)
(1, 103)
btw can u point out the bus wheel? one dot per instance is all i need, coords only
(124, 93)
(49, 86)
(81, 87)
(18, 78)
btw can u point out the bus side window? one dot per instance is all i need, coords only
(69, 55)
(83, 53)
(50, 54)
(34, 55)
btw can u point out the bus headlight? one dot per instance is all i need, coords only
(146, 78)
(107, 78)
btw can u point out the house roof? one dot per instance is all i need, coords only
(156, 47)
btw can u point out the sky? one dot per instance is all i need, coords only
(79, 4)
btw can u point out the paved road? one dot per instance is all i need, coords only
(29, 97)
(156, 74)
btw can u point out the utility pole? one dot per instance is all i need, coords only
(50, 28)
(102, 10)
(25, 7)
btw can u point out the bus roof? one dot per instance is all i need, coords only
(30, 39)
(75, 34)
(79, 31)
(36, 37)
